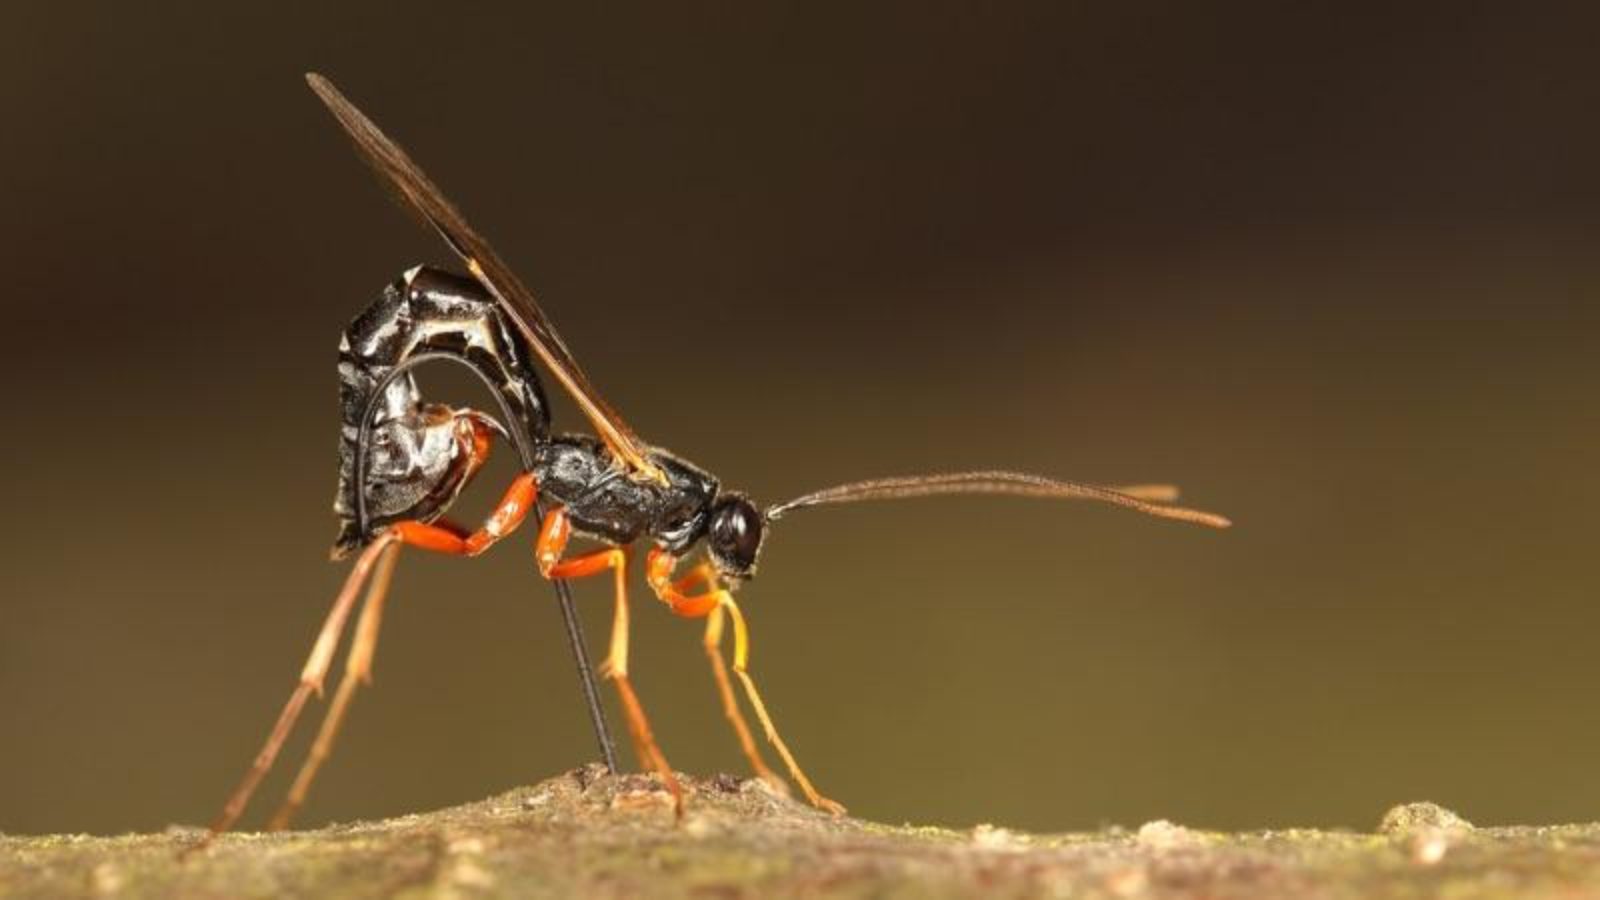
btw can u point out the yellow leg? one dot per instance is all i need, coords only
(552, 541)
(712, 604)
(741, 658)
(704, 576)
(730, 704)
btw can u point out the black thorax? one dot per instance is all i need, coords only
(603, 502)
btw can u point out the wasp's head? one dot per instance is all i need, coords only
(733, 536)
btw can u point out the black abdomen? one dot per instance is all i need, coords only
(426, 311)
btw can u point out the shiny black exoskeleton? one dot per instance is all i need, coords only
(414, 461)
(418, 456)
(604, 503)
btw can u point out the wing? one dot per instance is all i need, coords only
(420, 194)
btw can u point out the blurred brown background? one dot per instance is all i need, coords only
(1333, 271)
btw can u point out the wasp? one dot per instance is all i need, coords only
(403, 461)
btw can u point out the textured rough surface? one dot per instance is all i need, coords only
(585, 834)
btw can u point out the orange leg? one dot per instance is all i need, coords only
(442, 537)
(311, 678)
(553, 537)
(357, 671)
(506, 517)
(658, 571)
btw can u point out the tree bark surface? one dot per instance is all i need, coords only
(587, 834)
